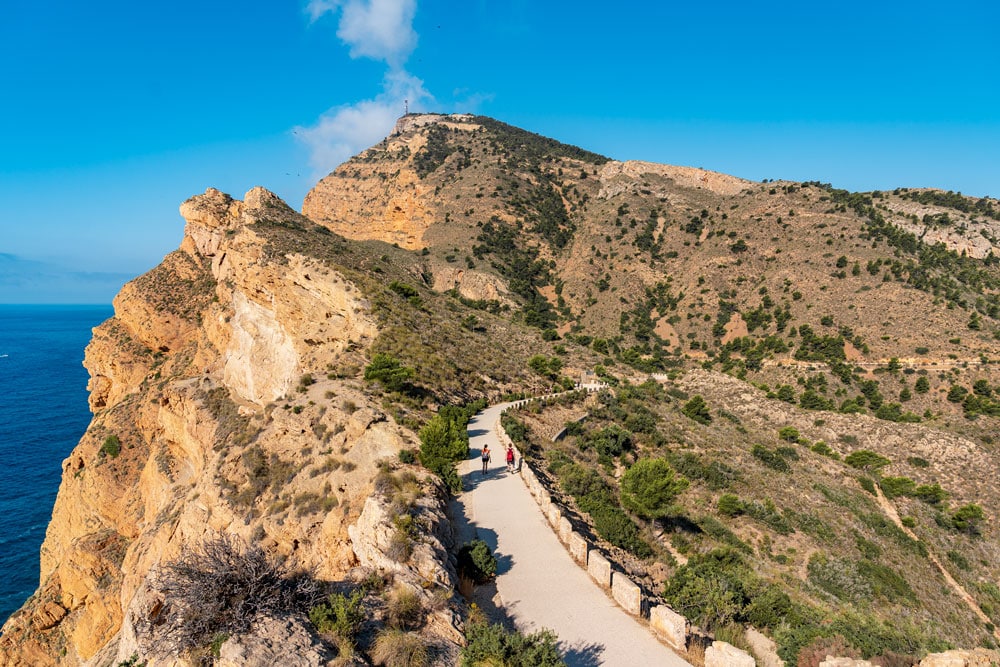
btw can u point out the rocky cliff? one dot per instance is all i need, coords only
(217, 411)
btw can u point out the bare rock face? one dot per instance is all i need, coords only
(373, 534)
(471, 284)
(383, 201)
(275, 641)
(618, 177)
(979, 657)
(182, 378)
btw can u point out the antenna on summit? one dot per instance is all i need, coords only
(406, 107)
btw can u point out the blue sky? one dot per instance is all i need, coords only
(115, 112)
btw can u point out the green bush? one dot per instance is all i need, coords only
(389, 372)
(112, 446)
(968, 518)
(649, 488)
(770, 458)
(718, 589)
(960, 561)
(824, 449)
(613, 524)
(476, 561)
(864, 459)
(894, 487)
(443, 441)
(697, 410)
(491, 644)
(341, 615)
(729, 505)
(932, 494)
(789, 433)
(610, 441)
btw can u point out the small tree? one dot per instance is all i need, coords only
(477, 562)
(730, 505)
(649, 488)
(697, 410)
(968, 518)
(387, 370)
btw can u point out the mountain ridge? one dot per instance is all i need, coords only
(473, 260)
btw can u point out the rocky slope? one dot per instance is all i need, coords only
(226, 401)
(229, 391)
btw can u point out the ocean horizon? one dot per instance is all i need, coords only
(43, 414)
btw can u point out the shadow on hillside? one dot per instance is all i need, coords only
(582, 655)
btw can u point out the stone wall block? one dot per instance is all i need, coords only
(627, 594)
(599, 568)
(578, 548)
(565, 530)
(721, 654)
(670, 626)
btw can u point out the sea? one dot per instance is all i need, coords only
(43, 413)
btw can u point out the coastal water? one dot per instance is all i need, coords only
(43, 413)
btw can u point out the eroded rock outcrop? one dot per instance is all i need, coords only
(187, 441)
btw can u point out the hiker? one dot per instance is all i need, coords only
(486, 457)
(510, 458)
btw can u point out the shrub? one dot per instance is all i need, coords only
(610, 441)
(405, 610)
(649, 488)
(407, 456)
(341, 615)
(476, 561)
(718, 589)
(957, 393)
(960, 561)
(922, 385)
(785, 393)
(221, 587)
(396, 648)
(864, 459)
(897, 486)
(824, 449)
(789, 433)
(443, 441)
(770, 458)
(491, 644)
(932, 494)
(613, 524)
(967, 519)
(697, 410)
(112, 446)
(729, 505)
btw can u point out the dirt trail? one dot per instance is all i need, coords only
(890, 511)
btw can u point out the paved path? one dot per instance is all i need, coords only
(539, 585)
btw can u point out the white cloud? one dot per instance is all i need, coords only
(377, 29)
(345, 130)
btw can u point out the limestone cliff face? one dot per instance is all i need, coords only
(381, 200)
(196, 376)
